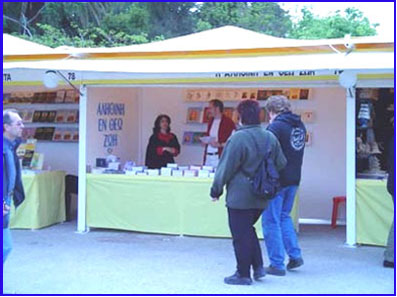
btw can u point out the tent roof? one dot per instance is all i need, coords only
(17, 46)
(221, 39)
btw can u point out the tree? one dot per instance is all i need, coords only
(264, 17)
(268, 18)
(170, 19)
(107, 24)
(218, 14)
(333, 26)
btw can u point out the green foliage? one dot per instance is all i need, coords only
(107, 24)
(334, 26)
(268, 18)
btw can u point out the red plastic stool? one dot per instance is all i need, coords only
(336, 201)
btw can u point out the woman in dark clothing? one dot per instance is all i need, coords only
(163, 145)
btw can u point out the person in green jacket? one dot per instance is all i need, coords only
(239, 160)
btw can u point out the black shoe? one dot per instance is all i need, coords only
(294, 263)
(388, 264)
(275, 271)
(236, 279)
(259, 273)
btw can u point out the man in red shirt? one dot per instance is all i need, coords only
(220, 127)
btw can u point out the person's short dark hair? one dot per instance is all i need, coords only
(156, 127)
(249, 111)
(217, 103)
(7, 116)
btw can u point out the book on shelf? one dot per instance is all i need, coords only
(51, 116)
(304, 94)
(72, 116)
(60, 96)
(50, 97)
(75, 135)
(61, 116)
(27, 116)
(261, 95)
(41, 98)
(193, 114)
(48, 133)
(36, 116)
(43, 116)
(28, 133)
(58, 134)
(39, 133)
(294, 94)
(28, 97)
(67, 135)
(70, 96)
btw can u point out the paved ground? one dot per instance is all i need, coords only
(56, 260)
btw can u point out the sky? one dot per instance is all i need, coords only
(376, 12)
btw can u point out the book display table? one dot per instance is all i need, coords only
(374, 211)
(44, 203)
(158, 204)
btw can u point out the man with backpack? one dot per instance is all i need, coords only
(239, 162)
(278, 229)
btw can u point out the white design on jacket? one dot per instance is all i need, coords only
(297, 138)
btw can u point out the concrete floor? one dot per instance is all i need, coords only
(56, 260)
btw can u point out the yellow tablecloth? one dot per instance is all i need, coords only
(374, 212)
(44, 204)
(168, 205)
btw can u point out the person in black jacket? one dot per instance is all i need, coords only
(278, 229)
(391, 187)
(163, 145)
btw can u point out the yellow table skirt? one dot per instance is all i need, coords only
(169, 205)
(44, 203)
(374, 212)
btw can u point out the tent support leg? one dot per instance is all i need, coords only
(82, 196)
(351, 167)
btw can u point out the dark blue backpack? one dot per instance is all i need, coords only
(266, 179)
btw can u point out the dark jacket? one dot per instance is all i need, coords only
(391, 159)
(239, 159)
(155, 157)
(291, 133)
(226, 127)
(9, 150)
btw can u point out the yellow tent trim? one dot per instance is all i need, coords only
(205, 80)
(320, 49)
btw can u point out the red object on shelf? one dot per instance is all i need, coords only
(336, 201)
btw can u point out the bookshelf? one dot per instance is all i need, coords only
(47, 116)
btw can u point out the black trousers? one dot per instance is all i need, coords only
(245, 242)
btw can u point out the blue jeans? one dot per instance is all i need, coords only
(278, 229)
(7, 243)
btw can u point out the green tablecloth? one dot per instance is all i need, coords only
(44, 204)
(374, 212)
(168, 205)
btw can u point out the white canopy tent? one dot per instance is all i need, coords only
(222, 56)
